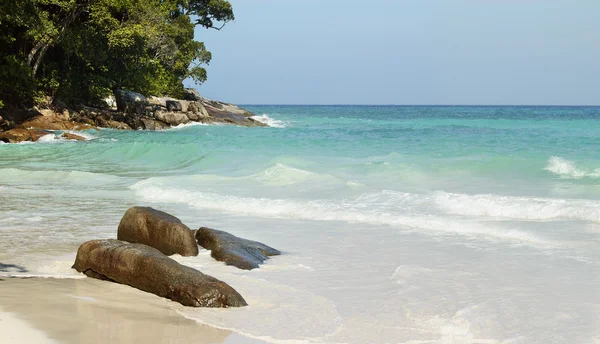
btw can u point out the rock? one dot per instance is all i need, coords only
(213, 106)
(230, 114)
(146, 268)
(47, 112)
(160, 101)
(241, 253)
(109, 123)
(172, 118)
(3, 124)
(174, 105)
(69, 136)
(185, 105)
(230, 118)
(157, 229)
(111, 102)
(197, 112)
(130, 102)
(192, 94)
(19, 116)
(53, 123)
(152, 124)
(22, 135)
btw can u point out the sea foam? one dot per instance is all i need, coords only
(517, 208)
(568, 169)
(379, 208)
(271, 122)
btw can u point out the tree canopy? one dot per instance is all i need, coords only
(79, 51)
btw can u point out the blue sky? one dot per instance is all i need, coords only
(407, 52)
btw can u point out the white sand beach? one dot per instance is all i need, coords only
(36, 310)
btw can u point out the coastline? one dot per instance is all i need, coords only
(48, 310)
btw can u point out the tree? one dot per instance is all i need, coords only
(81, 50)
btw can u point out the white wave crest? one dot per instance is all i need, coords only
(48, 138)
(187, 125)
(568, 169)
(271, 122)
(387, 208)
(281, 174)
(518, 208)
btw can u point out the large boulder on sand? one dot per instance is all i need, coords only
(241, 253)
(157, 229)
(130, 102)
(146, 268)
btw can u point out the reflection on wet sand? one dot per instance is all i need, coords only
(91, 311)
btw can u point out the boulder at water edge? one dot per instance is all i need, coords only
(241, 253)
(22, 135)
(146, 268)
(157, 229)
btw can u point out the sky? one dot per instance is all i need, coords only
(413, 52)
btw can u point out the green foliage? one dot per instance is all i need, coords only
(82, 50)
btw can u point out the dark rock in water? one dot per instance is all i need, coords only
(22, 135)
(231, 118)
(231, 114)
(242, 253)
(192, 95)
(146, 268)
(216, 107)
(69, 136)
(130, 102)
(157, 229)
(174, 105)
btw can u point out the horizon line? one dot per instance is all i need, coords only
(423, 105)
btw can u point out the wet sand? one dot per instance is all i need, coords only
(36, 310)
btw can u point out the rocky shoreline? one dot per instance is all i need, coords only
(126, 110)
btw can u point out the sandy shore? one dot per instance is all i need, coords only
(90, 311)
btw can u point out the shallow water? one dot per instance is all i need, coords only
(398, 224)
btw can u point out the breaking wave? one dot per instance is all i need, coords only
(568, 169)
(271, 122)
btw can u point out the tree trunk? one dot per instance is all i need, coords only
(36, 55)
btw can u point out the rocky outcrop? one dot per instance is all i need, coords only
(22, 135)
(241, 253)
(147, 269)
(157, 229)
(135, 111)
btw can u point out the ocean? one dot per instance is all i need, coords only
(398, 224)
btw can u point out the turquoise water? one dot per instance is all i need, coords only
(474, 223)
